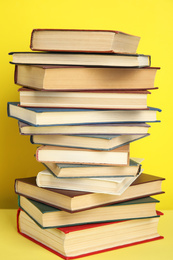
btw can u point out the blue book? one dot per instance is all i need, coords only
(57, 116)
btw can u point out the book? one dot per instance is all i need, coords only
(86, 170)
(64, 116)
(93, 100)
(95, 142)
(92, 238)
(49, 217)
(83, 40)
(111, 185)
(77, 78)
(118, 156)
(72, 201)
(118, 128)
(81, 59)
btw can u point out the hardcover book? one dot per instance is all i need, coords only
(118, 156)
(93, 238)
(97, 129)
(54, 116)
(88, 99)
(86, 170)
(83, 40)
(72, 201)
(81, 59)
(75, 78)
(49, 217)
(95, 142)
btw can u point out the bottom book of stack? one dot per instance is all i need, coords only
(82, 240)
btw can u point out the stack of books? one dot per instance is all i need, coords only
(84, 100)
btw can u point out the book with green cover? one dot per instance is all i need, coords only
(95, 142)
(48, 217)
(61, 170)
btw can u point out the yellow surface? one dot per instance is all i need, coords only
(15, 247)
(152, 20)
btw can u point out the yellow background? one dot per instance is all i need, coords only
(152, 20)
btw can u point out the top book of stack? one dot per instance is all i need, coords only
(106, 41)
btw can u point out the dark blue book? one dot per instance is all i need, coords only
(57, 116)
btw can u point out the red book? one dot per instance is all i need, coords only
(69, 40)
(85, 240)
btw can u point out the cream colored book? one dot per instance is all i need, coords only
(118, 156)
(111, 185)
(95, 100)
(83, 40)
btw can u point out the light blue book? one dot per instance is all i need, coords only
(57, 116)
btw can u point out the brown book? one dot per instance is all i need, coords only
(109, 41)
(84, 78)
(72, 201)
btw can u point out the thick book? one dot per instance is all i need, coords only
(72, 201)
(95, 171)
(81, 59)
(77, 78)
(64, 116)
(83, 40)
(95, 142)
(97, 129)
(106, 185)
(49, 217)
(90, 99)
(84, 240)
(50, 153)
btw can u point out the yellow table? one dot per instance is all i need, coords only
(15, 247)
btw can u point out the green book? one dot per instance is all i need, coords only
(49, 217)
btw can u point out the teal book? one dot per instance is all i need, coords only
(64, 116)
(61, 170)
(95, 142)
(48, 217)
